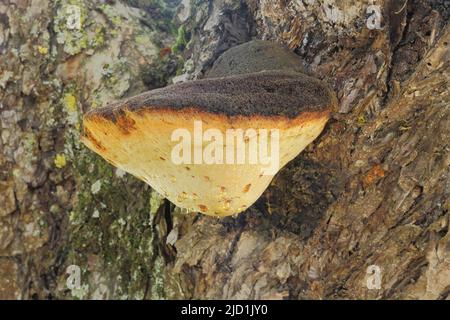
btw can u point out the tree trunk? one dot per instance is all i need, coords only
(362, 213)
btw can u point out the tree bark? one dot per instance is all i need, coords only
(362, 213)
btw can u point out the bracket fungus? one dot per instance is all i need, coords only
(214, 145)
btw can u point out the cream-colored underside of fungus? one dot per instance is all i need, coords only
(140, 143)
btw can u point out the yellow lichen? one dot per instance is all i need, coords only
(361, 120)
(43, 50)
(70, 102)
(60, 161)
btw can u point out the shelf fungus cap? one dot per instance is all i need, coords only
(255, 56)
(212, 145)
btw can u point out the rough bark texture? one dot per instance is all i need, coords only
(374, 189)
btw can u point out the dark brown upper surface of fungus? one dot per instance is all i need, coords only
(266, 93)
(255, 56)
